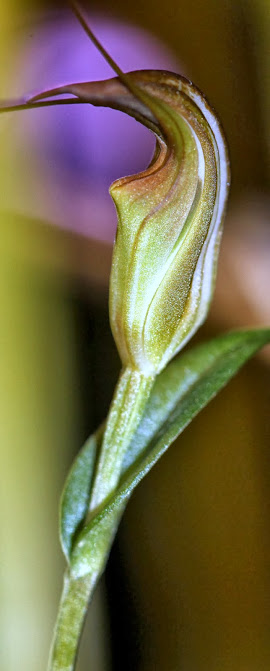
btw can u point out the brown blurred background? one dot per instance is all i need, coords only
(187, 586)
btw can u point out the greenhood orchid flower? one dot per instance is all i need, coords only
(169, 216)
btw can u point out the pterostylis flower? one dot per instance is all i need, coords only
(169, 216)
(170, 219)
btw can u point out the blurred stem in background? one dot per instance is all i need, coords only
(40, 430)
(39, 419)
(259, 25)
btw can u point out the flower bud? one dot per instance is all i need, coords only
(169, 229)
(170, 216)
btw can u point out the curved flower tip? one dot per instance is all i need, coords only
(170, 216)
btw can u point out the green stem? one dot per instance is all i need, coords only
(69, 624)
(126, 410)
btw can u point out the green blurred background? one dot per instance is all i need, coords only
(187, 586)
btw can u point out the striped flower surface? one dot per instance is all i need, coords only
(170, 215)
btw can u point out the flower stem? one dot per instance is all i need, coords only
(126, 410)
(69, 624)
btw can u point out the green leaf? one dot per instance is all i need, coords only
(189, 382)
(180, 392)
(76, 494)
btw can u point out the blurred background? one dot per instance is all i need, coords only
(188, 583)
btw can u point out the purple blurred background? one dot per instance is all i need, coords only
(82, 150)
